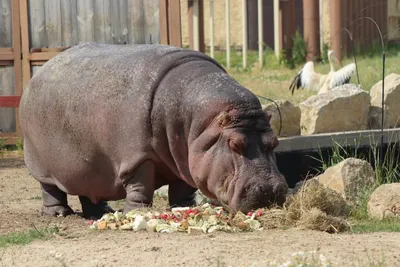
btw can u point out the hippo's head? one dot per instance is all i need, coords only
(233, 161)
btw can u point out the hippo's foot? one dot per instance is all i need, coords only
(94, 211)
(180, 194)
(54, 201)
(140, 187)
(57, 211)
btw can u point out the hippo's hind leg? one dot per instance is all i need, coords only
(91, 210)
(140, 187)
(54, 201)
(181, 194)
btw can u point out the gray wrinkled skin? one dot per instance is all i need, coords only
(108, 122)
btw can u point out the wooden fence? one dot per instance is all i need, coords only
(33, 31)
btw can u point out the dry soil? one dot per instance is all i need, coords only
(77, 245)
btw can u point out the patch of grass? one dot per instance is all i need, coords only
(373, 225)
(2, 145)
(26, 237)
(274, 79)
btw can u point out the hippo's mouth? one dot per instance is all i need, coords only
(226, 191)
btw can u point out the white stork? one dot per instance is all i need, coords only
(321, 83)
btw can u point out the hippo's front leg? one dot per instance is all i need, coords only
(140, 187)
(94, 211)
(180, 194)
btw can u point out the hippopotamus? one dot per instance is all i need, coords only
(107, 122)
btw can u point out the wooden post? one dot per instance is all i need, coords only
(211, 21)
(16, 40)
(196, 24)
(228, 32)
(311, 27)
(202, 45)
(174, 24)
(260, 33)
(288, 26)
(336, 26)
(26, 66)
(163, 16)
(277, 27)
(244, 30)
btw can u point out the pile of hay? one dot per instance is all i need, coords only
(313, 207)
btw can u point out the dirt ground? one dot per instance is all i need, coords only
(20, 202)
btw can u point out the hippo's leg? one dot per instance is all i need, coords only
(94, 211)
(55, 201)
(180, 194)
(140, 187)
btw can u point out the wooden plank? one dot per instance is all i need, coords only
(53, 22)
(7, 63)
(6, 50)
(7, 56)
(107, 22)
(98, 9)
(85, 21)
(42, 56)
(151, 21)
(5, 23)
(114, 13)
(163, 21)
(38, 63)
(10, 101)
(66, 21)
(123, 22)
(23, 4)
(74, 18)
(136, 21)
(9, 138)
(174, 16)
(17, 58)
(37, 23)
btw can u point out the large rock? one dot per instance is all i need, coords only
(348, 178)
(344, 108)
(290, 117)
(385, 201)
(391, 101)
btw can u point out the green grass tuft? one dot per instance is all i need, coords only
(373, 225)
(26, 237)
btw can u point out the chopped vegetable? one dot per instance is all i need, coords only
(192, 220)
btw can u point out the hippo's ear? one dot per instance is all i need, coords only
(236, 145)
(223, 119)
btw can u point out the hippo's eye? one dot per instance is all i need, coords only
(236, 145)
